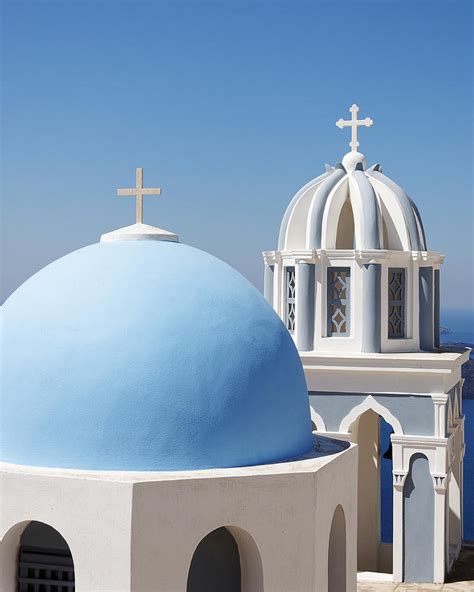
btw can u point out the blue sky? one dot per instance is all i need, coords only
(230, 107)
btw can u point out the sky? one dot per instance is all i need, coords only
(230, 107)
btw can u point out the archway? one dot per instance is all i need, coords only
(36, 557)
(372, 432)
(215, 565)
(337, 552)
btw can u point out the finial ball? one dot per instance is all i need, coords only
(352, 159)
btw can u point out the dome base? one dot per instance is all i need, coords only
(139, 232)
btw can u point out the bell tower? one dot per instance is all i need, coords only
(357, 288)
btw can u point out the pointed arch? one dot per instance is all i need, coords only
(345, 227)
(401, 211)
(294, 217)
(456, 404)
(450, 413)
(366, 212)
(317, 420)
(395, 236)
(316, 217)
(370, 403)
(331, 214)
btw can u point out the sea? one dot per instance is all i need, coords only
(457, 329)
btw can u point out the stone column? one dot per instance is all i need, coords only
(371, 307)
(426, 308)
(305, 285)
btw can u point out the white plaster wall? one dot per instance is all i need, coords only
(93, 516)
(278, 520)
(276, 511)
(138, 531)
(340, 488)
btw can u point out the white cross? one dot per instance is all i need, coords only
(139, 191)
(354, 123)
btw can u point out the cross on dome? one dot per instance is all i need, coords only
(139, 191)
(354, 123)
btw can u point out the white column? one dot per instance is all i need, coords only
(399, 476)
(439, 401)
(305, 289)
(439, 527)
(278, 287)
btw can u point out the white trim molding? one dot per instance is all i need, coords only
(317, 420)
(370, 403)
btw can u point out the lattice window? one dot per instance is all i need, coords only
(396, 303)
(290, 299)
(338, 301)
(45, 570)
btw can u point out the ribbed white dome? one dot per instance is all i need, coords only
(349, 207)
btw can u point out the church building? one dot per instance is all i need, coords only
(156, 432)
(164, 427)
(359, 291)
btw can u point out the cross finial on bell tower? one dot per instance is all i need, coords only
(139, 191)
(354, 123)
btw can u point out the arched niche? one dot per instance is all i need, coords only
(337, 552)
(226, 559)
(418, 521)
(345, 227)
(34, 556)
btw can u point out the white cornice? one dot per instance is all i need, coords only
(363, 256)
(442, 361)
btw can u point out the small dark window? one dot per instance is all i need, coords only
(396, 303)
(338, 301)
(290, 299)
(45, 563)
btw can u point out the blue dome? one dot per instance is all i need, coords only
(148, 355)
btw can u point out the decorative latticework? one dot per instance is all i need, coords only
(290, 314)
(396, 303)
(338, 301)
(45, 570)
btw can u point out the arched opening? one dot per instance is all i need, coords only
(373, 433)
(35, 557)
(45, 562)
(226, 559)
(337, 552)
(418, 521)
(215, 565)
(391, 235)
(345, 227)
